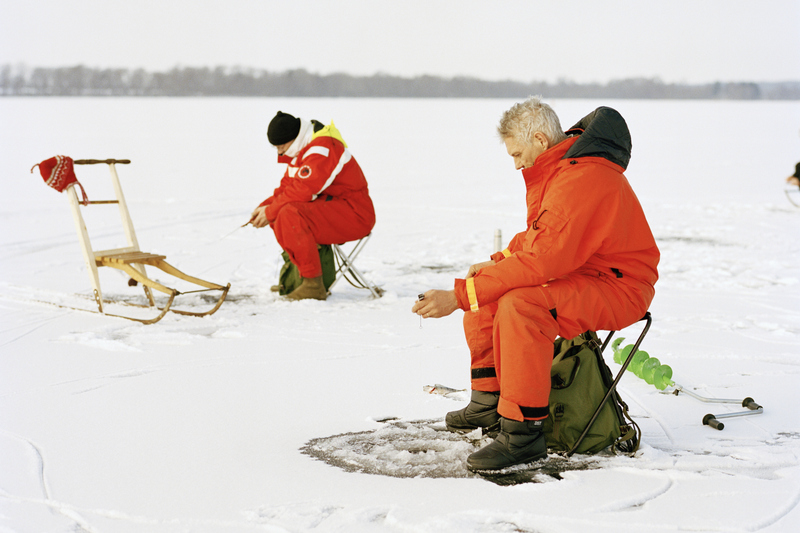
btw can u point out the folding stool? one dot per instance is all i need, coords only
(346, 268)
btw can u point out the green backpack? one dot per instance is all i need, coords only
(289, 278)
(580, 380)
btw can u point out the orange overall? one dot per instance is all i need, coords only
(323, 198)
(586, 262)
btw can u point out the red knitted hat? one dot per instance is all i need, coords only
(59, 174)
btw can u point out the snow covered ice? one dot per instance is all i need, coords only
(199, 424)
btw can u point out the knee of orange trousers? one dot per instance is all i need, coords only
(478, 327)
(294, 235)
(524, 331)
(596, 303)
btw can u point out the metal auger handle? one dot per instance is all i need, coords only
(101, 161)
(711, 420)
(747, 402)
(751, 404)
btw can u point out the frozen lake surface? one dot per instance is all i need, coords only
(199, 424)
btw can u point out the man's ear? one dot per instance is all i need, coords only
(541, 139)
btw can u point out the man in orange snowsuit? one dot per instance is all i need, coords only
(586, 261)
(323, 197)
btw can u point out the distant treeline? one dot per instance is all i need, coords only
(222, 81)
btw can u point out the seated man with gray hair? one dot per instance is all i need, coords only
(585, 261)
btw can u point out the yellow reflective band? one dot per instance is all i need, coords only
(329, 131)
(473, 300)
(507, 252)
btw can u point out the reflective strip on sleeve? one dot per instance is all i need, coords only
(473, 299)
(507, 252)
(342, 162)
(319, 150)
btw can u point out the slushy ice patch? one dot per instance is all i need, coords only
(425, 448)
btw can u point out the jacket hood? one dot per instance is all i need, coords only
(603, 133)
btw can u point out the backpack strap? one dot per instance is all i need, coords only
(631, 434)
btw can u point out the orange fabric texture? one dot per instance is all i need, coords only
(515, 334)
(588, 256)
(582, 215)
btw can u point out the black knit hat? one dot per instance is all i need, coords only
(282, 129)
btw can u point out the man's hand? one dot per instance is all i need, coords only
(436, 304)
(477, 266)
(259, 217)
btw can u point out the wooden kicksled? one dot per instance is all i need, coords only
(130, 259)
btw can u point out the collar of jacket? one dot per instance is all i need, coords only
(300, 142)
(330, 131)
(547, 161)
(307, 136)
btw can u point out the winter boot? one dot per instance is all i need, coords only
(480, 413)
(518, 443)
(309, 288)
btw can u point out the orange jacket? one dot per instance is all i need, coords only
(583, 218)
(324, 165)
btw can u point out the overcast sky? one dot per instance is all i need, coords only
(580, 40)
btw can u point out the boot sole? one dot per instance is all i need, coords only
(522, 465)
(491, 431)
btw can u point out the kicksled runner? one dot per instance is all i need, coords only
(587, 424)
(58, 173)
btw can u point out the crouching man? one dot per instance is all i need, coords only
(323, 197)
(586, 261)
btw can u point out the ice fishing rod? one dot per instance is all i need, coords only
(789, 195)
(235, 230)
(420, 297)
(231, 233)
(659, 375)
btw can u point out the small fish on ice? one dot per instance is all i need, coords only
(447, 392)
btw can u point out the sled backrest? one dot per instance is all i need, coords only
(89, 255)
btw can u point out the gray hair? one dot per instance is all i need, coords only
(524, 119)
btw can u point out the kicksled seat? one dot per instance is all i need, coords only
(58, 172)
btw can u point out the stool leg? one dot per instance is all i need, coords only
(649, 320)
(347, 265)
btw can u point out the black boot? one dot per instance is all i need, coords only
(518, 443)
(480, 413)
